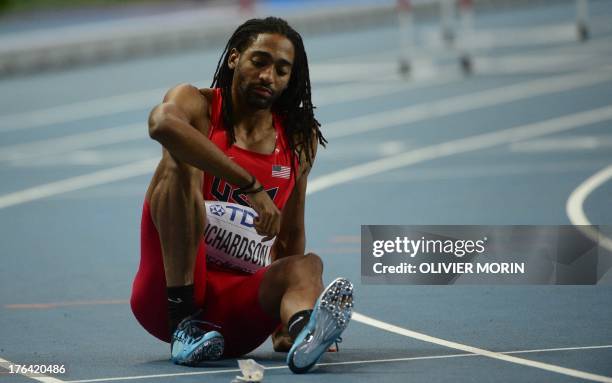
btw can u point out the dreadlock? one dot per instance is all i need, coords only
(294, 106)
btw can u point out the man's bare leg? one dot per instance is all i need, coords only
(177, 208)
(290, 289)
(291, 284)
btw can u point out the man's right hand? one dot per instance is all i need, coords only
(267, 222)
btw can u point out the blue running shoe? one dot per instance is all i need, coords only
(192, 345)
(329, 318)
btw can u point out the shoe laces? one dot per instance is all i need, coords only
(337, 342)
(190, 330)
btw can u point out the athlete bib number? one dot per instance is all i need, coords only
(231, 239)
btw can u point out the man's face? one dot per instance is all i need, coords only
(262, 71)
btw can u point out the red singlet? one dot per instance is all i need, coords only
(276, 171)
(229, 298)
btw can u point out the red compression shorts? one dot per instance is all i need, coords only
(228, 299)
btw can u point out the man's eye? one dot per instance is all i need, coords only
(258, 63)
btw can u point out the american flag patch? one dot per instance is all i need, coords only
(280, 171)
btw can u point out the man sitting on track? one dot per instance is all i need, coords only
(250, 142)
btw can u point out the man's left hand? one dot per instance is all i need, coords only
(281, 341)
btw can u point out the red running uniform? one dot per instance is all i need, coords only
(229, 298)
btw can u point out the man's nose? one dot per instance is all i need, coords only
(266, 76)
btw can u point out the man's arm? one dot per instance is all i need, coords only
(180, 124)
(291, 239)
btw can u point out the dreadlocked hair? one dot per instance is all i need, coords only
(294, 106)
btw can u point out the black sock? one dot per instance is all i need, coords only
(297, 322)
(180, 304)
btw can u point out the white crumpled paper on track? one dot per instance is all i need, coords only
(251, 371)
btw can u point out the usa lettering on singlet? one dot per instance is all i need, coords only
(231, 240)
(230, 236)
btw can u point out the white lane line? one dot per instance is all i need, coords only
(101, 157)
(479, 351)
(564, 144)
(460, 172)
(73, 142)
(529, 64)
(368, 361)
(39, 377)
(604, 346)
(491, 38)
(599, 47)
(100, 177)
(349, 92)
(136, 131)
(81, 110)
(147, 99)
(575, 211)
(463, 103)
(445, 149)
(462, 145)
(355, 91)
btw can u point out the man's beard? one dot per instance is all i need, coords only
(258, 101)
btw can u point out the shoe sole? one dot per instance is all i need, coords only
(212, 349)
(329, 318)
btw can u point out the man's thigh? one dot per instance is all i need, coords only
(232, 302)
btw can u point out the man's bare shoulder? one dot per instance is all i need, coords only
(207, 93)
(190, 100)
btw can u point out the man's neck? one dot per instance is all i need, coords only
(250, 120)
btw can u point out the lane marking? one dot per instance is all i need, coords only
(490, 38)
(459, 146)
(72, 142)
(342, 128)
(356, 91)
(146, 99)
(564, 144)
(479, 351)
(575, 210)
(39, 377)
(463, 103)
(598, 48)
(560, 349)
(493, 169)
(368, 361)
(445, 149)
(138, 131)
(65, 304)
(100, 177)
(81, 110)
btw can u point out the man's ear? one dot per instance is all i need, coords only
(233, 58)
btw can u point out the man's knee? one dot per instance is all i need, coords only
(175, 171)
(305, 267)
(175, 177)
(176, 190)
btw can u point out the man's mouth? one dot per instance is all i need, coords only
(263, 91)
